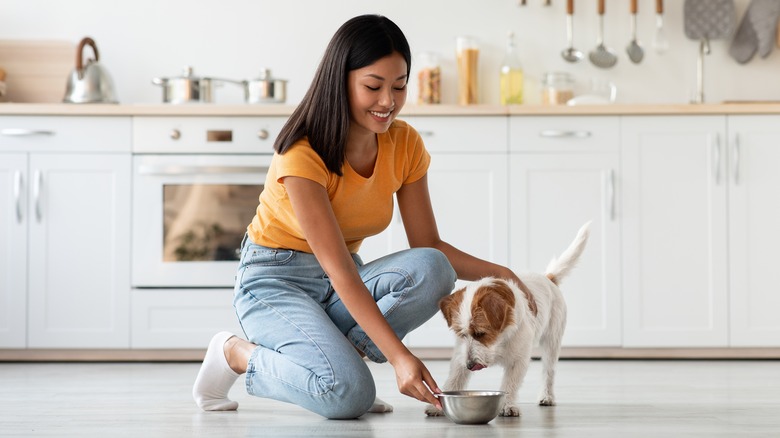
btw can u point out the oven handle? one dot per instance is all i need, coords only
(167, 169)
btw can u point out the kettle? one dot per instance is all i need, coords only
(90, 82)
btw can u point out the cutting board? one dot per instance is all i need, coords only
(36, 71)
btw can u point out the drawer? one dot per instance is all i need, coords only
(65, 134)
(564, 134)
(180, 318)
(461, 134)
(241, 135)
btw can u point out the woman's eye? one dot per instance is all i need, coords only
(401, 88)
(372, 88)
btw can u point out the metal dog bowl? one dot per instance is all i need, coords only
(471, 407)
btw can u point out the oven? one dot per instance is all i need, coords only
(196, 183)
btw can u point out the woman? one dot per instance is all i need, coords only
(310, 308)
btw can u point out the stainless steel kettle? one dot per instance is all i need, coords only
(90, 82)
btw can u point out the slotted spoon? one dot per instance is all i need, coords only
(602, 56)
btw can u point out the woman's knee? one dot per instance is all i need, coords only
(352, 397)
(438, 273)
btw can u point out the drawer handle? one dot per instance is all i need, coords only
(558, 133)
(263, 134)
(198, 170)
(425, 133)
(175, 134)
(20, 132)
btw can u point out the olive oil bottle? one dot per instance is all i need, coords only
(511, 79)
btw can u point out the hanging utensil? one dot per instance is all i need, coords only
(570, 54)
(602, 56)
(660, 41)
(634, 50)
(707, 20)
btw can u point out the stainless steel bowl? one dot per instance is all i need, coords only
(471, 407)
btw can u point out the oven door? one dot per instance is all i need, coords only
(190, 213)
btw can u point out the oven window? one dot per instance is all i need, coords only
(206, 222)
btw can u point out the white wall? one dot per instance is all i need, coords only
(141, 39)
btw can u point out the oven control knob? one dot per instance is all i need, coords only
(175, 134)
(262, 134)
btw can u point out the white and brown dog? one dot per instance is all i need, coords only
(498, 322)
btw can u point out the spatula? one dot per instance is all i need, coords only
(602, 56)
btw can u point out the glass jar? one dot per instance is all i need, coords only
(557, 88)
(429, 79)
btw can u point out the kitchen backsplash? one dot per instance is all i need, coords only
(143, 39)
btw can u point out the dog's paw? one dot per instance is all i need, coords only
(547, 401)
(433, 411)
(510, 410)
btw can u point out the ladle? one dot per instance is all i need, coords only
(602, 56)
(570, 54)
(634, 50)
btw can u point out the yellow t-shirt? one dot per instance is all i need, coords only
(363, 206)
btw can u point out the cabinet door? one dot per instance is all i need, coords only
(552, 196)
(754, 215)
(469, 197)
(79, 267)
(13, 250)
(675, 266)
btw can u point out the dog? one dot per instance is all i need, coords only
(498, 322)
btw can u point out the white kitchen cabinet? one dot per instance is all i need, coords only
(675, 261)
(564, 172)
(468, 182)
(72, 229)
(13, 251)
(754, 234)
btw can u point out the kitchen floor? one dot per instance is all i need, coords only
(612, 398)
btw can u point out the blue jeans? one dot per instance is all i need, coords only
(307, 339)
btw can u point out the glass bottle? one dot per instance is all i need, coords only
(511, 74)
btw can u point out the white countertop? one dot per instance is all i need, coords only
(60, 109)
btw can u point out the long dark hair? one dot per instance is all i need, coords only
(323, 115)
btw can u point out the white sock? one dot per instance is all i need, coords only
(215, 378)
(380, 406)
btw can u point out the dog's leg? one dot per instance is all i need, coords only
(514, 374)
(456, 381)
(550, 348)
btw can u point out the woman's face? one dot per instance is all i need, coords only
(377, 93)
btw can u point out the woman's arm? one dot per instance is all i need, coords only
(414, 202)
(314, 212)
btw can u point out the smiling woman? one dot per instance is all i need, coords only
(309, 307)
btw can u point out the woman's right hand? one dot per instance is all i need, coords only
(414, 379)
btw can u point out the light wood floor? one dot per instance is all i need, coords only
(595, 399)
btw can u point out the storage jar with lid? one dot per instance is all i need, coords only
(557, 88)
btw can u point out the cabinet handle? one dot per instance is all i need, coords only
(263, 134)
(38, 180)
(558, 133)
(425, 133)
(716, 159)
(18, 195)
(198, 170)
(20, 132)
(610, 194)
(736, 151)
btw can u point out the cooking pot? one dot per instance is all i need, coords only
(90, 82)
(186, 88)
(265, 89)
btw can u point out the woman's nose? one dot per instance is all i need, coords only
(386, 98)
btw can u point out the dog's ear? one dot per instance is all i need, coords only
(450, 304)
(497, 303)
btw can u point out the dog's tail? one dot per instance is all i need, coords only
(559, 267)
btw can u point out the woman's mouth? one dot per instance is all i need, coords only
(381, 115)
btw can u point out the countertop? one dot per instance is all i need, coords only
(59, 109)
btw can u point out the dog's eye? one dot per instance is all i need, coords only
(478, 335)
